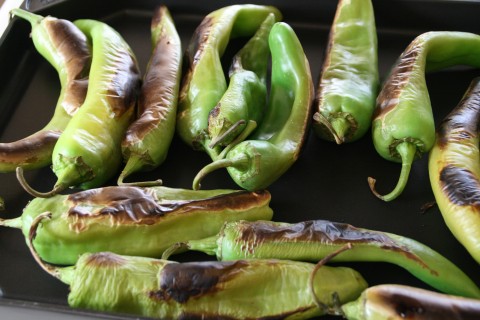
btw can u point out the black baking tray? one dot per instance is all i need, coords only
(327, 182)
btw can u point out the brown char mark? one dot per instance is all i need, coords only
(460, 186)
(26, 150)
(180, 282)
(463, 121)
(397, 80)
(408, 304)
(105, 259)
(139, 205)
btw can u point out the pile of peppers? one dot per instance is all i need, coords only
(111, 121)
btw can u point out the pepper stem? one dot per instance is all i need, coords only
(16, 223)
(250, 127)
(27, 15)
(407, 151)
(21, 179)
(51, 269)
(134, 164)
(174, 249)
(320, 118)
(209, 168)
(220, 138)
(336, 310)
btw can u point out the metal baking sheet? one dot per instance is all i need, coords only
(328, 181)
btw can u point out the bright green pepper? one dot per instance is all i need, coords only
(92, 138)
(65, 47)
(242, 289)
(147, 140)
(275, 145)
(246, 96)
(403, 127)
(349, 80)
(313, 240)
(454, 169)
(134, 221)
(204, 83)
(398, 302)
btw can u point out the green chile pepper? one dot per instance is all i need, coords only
(132, 220)
(246, 95)
(148, 138)
(454, 169)
(398, 302)
(65, 47)
(313, 240)
(204, 83)
(403, 126)
(349, 81)
(276, 144)
(93, 137)
(243, 289)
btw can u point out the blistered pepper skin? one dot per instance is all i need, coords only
(209, 289)
(314, 240)
(454, 170)
(147, 140)
(349, 81)
(133, 220)
(66, 48)
(398, 302)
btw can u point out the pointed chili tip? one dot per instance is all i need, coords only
(23, 182)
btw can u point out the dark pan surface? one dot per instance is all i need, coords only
(328, 181)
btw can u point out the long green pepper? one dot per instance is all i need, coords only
(204, 83)
(314, 240)
(147, 140)
(349, 80)
(132, 220)
(275, 145)
(246, 96)
(88, 153)
(403, 126)
(65, 47)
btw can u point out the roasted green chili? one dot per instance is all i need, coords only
(398, 302)
(148, 138)
(349, 80)
(132, 220)
(242, 289)
(313, 240)
(276, 144)
(246, 96)
(403, 126)
(204, 83)
(92, 138)
(454, 169)
(65, 47)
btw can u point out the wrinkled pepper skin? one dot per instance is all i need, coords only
(245, 99)
(147, 140)
(273, 148)
(398, 302)
(66, 48)
(454, 170)
(204, 83)
(208, 289)
(133, 221)
(314, 240)
(349, 81)
(93, 136)
(403, 126)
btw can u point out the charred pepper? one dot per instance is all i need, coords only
(403, 125)
(349, 80)
(92, 138)
(148, 138)
(454, 169)
(132, 220)
(66, 48)
(275, 145)
(313, 240)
